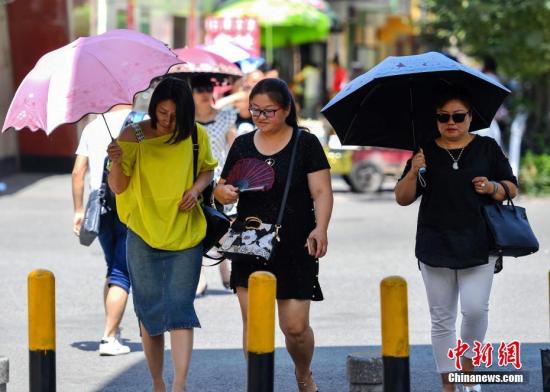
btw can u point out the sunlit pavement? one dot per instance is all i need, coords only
(370, 238)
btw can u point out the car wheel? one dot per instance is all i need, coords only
(346, 179)
(366, 177)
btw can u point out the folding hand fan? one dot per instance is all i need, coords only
(251, 174)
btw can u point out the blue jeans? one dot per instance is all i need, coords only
(112, 237)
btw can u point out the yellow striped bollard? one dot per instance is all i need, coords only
(41, 292)
(395, 334)
(260, 337)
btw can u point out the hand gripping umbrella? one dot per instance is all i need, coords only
(392, 104)
(89, 75)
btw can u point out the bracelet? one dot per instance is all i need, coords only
(495, 188)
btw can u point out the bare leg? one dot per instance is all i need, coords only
(299, 339)
(225, 273)
(115, 303)
(242, 295)
(182, 346)
(201, 286)
(153, 346)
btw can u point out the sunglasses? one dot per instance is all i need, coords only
(268, 113)
(445, 117)
(203, 89)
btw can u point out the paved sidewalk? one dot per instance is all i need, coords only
(370, 238)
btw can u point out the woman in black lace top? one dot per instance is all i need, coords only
(306, 215)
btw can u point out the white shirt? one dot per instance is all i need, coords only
(95, 139)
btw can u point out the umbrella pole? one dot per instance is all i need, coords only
(108, 130)
(422, 169)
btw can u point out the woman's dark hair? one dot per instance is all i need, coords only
(447, 93)
(277, 90)
(201, 80)
(178, 91)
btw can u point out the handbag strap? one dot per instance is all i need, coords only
(195, 141)
(507, 192)
(289, 178)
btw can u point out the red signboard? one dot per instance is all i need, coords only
(245, 32)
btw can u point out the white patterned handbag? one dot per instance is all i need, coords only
(253, 239)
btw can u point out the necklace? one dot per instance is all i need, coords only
(270, 161)
(455, 161)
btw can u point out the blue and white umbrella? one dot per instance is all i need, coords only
(392, 105)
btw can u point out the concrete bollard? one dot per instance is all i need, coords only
(365, 373)
(4, 373)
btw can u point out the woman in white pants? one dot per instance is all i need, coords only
(464, 173)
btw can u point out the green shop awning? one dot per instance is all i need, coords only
(282, 22)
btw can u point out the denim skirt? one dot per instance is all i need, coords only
(163, 285)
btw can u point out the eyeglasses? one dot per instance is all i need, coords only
(203, 89)
(444, 118)
(268, 113)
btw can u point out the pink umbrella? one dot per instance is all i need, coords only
(198, 60)
(89, 75)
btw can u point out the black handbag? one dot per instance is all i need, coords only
(217, 223)
(510, 230)
(252, 239)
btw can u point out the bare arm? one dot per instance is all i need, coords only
(405, 190)
(118, 181)
(77, 184)
(191, 196)
(226, 193)
(321, 191)
(494, 189)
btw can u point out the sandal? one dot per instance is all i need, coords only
(307, 385)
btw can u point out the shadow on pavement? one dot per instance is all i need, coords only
(225, 370)
(94, 345)
(14, 183)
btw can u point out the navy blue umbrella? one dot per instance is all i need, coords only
(392, 104)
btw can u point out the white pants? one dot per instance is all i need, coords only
(444, 286)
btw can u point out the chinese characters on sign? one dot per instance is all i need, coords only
(245, 32)
(508, 354)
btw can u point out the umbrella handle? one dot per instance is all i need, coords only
(421, 171)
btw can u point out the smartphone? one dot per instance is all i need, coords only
(311, 246)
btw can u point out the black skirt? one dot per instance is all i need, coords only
(296, 271)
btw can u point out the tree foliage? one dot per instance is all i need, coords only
(514, 32)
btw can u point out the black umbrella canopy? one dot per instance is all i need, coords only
(392, 105)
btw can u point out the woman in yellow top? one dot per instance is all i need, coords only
(157, 198)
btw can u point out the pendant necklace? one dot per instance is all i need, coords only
(455, 161)
(270, 161)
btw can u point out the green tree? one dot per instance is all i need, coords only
(514, 32)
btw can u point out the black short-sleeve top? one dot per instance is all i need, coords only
(299, 217)
(451, 231)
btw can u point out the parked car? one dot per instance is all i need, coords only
(365, 169)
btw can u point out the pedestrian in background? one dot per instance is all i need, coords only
(158, 199)
(464, 173)
(339, 76)
(90, 156)
(310, 77)
(220, 126)
(305, 220)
